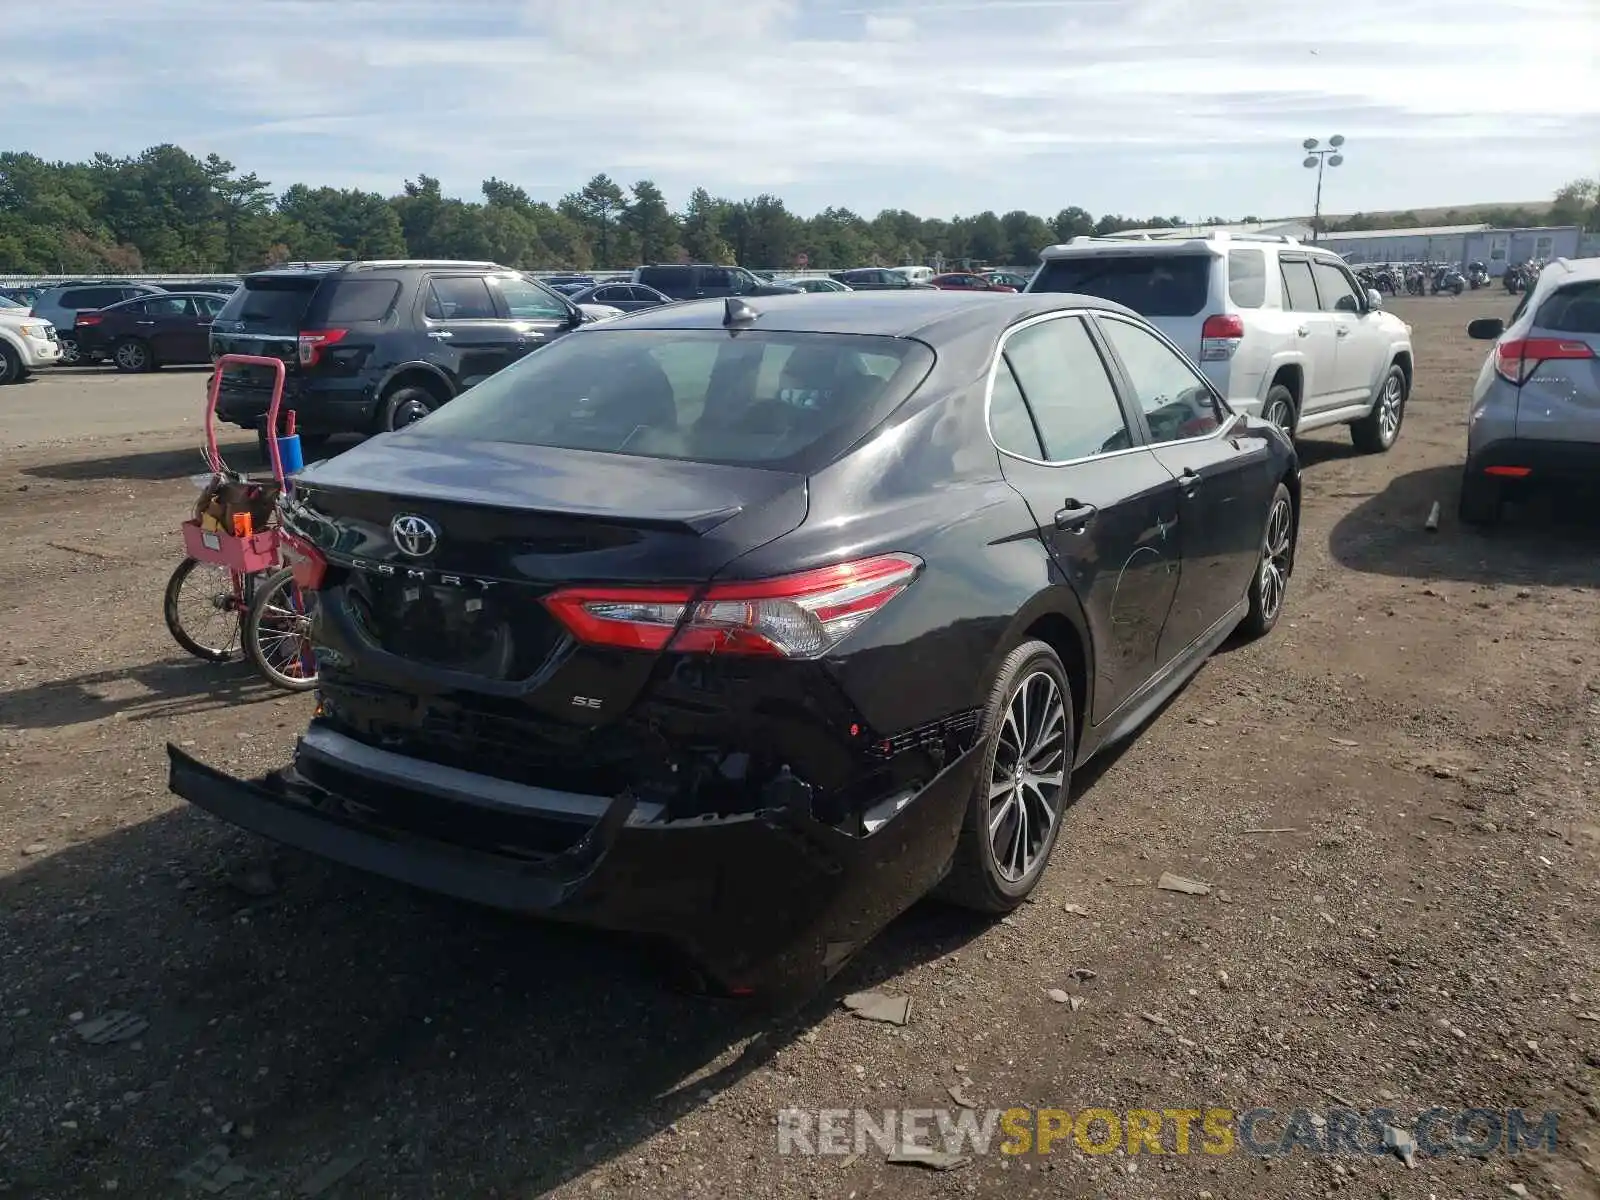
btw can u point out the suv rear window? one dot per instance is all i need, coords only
(1572, 309)
(791, 401)
(1247, 278)
(1153, 285)
(665, 279)
(271, 303)
(345, 301)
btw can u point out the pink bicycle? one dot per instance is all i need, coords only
(237, 589)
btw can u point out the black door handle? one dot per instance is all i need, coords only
(1190, 479)
(1075, 517)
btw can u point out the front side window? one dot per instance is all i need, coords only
(1067, 389)
(1177, 403)
(529, 301)
(791, 401)
(1334, 289)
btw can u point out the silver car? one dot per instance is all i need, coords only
(1535, 416)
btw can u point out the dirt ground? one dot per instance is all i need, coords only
(1392, 797)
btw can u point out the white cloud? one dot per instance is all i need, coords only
(940, 106)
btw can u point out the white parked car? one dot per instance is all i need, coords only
(27, 343)
(1282, 329)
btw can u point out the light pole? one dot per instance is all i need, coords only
(1330, 155)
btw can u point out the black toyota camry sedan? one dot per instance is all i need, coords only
(746, 623)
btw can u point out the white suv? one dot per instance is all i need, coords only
(27, 343)
(1282, 329)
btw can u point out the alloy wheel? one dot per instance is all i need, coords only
(409, 413)
(1389, 408)
(1281, 414)
(1275, 558)
(69, 352)
(131, 356)
(1028, 778)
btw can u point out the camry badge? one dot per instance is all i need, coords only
(413, 535)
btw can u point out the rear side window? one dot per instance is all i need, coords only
(459, 298)
(348, 301)
(1067, 389)
(1247, 278)
(791, 401)
(1573, 309)
(1299, 293)
(665, 279)
(81, 298)
(1009, 422)
(271, 303)
(1153, 285)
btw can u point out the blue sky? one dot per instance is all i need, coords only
(1187, 107)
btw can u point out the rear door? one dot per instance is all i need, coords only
(1100, 500)
(471, 339)
(1224, 475)
(1560, 397)
(177, 329)
(1314, 332)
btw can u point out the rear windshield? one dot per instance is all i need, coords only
(790, 401)
(271, 303)
(1573, 309)
(1153, 285)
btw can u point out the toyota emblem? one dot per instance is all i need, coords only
(413, 535)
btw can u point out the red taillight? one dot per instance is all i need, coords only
(1219, 336)
(88, 318)
(313, 342)
(1509, 472)
(794, 616)
(1519, 358)
(305, 560)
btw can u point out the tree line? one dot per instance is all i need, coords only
(166, 211)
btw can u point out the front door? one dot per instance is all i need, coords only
(181, 330)
(1099, 499)
(536, 313)
(1314, 335)
(1358, 346)
(471, 340)
(1223, 471)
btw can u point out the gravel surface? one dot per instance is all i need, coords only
(1392, 798)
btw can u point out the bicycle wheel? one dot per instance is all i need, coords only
(277, 634)
(202, 606)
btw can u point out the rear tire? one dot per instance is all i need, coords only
(1024, 781)
(1480, 502)
(1278, 408)
(406, 405)
(1273, 568)
(132, 356)
(214, 647)
(1378, 430)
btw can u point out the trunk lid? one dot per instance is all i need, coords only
(455, 605)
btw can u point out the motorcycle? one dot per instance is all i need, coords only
(1477, 276)
(1514, 279)
(1449, 279)
(1385, 281)
(1416, 281)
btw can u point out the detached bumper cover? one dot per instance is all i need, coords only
(768, 901)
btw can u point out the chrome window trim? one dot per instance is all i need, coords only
(994, 370)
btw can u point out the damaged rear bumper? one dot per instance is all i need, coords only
(767, 902)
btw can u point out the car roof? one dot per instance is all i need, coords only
(913, 313)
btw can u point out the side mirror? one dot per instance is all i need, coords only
(1486, 329)
(1374, 300)
(574, 316)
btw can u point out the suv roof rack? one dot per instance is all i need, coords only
(366, 264)
(1175, 235)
